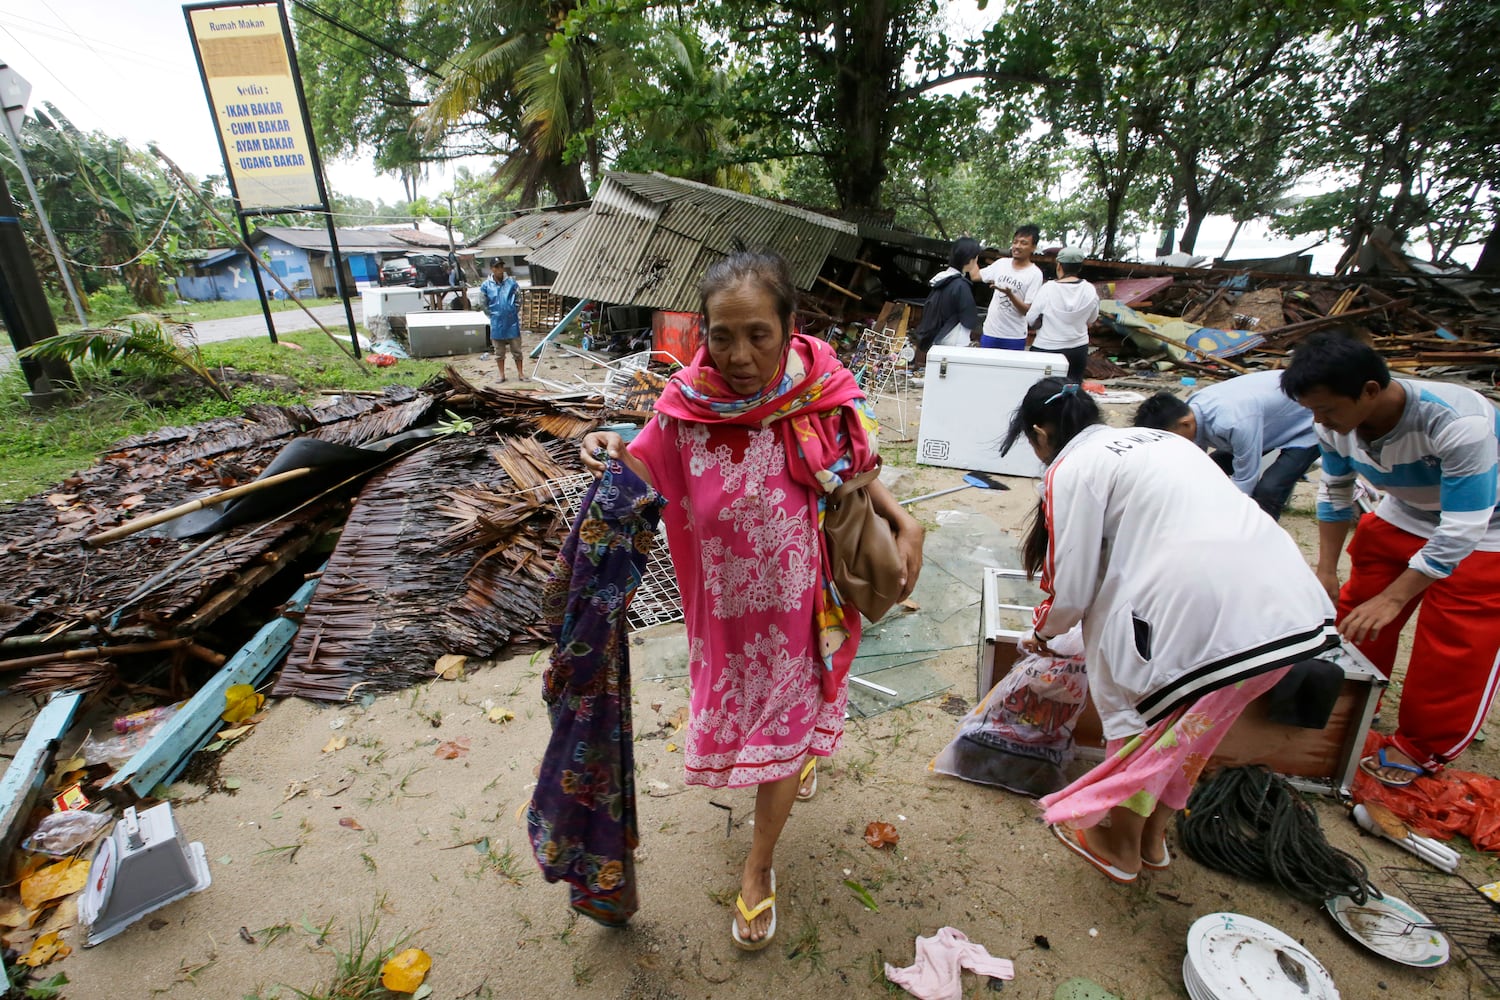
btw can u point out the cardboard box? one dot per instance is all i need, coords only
(1321, 760)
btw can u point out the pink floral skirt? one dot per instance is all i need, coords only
(1160, 766)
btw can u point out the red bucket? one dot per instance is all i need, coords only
(675, 336)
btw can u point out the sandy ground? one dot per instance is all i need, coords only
(309, 847)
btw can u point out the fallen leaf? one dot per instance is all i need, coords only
(54, 881)
(132, 501)
(13, 914)
(335, 743)
(232, 734)
(452, 749)
(350, 823)
(46, 948)
(404, 973)
(863, 894)
(879, 835)
(450, 666)
(678, 719)
(498, 714)
(240, 702)
(232, 784)
(671, 748)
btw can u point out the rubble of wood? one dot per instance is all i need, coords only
(1418, 322)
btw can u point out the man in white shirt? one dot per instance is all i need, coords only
(1016, 282)
(1065, 308)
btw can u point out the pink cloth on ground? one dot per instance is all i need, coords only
(937, 974)
(745, 547)
(1161, 765)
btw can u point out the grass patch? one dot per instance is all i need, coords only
(37, 450)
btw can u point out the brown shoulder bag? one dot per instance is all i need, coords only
(866, 563)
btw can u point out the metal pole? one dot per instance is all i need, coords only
(41, 214)
(260, 284)
(317, 165)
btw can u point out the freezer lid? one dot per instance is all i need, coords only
(994, 357)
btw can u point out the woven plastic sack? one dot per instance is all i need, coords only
(1020, 736)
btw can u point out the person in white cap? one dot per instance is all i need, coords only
(1065, 308)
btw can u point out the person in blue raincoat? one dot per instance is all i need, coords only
(502, 301)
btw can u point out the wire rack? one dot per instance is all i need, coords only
(657, 601)
(1459, 910)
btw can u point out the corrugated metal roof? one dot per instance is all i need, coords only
(532, 231)
(648, 239)
(310, 238)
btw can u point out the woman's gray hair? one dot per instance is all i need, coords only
(767, 270)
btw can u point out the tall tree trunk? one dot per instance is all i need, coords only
(1489, 257)
(867, 72)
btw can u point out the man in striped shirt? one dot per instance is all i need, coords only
(1431, 447)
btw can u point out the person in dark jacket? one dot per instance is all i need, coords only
(950, 304)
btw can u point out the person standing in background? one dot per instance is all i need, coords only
(1016, 282)
(949, 316)
(1065, 308)
(502, 301)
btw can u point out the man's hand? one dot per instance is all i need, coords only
(1035, 645)
(1366, 621)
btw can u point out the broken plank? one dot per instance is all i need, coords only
(840, 289)
(164, 757)
(28, 769)
(1280, 333)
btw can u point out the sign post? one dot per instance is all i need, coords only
(249, 70)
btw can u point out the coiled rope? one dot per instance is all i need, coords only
(1248, 822)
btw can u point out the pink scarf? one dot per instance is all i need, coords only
(810, 403)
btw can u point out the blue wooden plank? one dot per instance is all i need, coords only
(562, 325)
(163, 759)
(28, 769)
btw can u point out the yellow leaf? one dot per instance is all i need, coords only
(335, 743)
(450, 666)
(405, 972)
(241, 702)
(46, 948)
(232, 734)
(13, 914)
(671, 748)
(498, 714)
(678, 718)
(61, 879)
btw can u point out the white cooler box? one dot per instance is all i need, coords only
(968, 396)
(443, 333)
(391, 301)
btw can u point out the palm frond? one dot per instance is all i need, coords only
(140, 337)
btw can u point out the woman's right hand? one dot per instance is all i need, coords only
(597, 446)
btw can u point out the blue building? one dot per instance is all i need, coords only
(299, 256)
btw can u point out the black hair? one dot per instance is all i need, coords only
(1065, 410)
(1071, 270)
(1035, 232)
(1161, 411)
(964, 250)
(1336, 362)
(766, 269)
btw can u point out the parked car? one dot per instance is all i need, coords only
(420, 269)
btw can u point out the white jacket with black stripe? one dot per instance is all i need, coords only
(1182, 582)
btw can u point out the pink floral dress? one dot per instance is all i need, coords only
(743, 535)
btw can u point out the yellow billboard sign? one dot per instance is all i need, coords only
(247, 71)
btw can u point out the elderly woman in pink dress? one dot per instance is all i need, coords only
(745, 444)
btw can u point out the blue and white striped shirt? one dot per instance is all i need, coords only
(1437, 468)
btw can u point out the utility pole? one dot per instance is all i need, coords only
(14, 91)
(23, 306)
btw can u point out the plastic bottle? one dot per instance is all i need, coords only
(147, 717)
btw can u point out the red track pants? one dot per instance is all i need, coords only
(1455, 656)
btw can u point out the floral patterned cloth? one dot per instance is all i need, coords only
(582, 818)
(1161, 765)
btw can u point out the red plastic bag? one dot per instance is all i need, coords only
(381, 360)
(1439, 805)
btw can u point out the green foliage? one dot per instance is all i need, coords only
(110, 303)
(141, 337)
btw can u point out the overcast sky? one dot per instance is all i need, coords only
(126, 68)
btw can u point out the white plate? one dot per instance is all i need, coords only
(1239, 958)
(1378, 924)
(1190, 980)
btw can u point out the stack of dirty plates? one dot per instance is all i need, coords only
(1234, 957)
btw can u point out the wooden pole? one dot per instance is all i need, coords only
(93, 652)
(160, 517)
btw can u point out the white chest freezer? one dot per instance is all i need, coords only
(446, 332)
(968, 396)
(396, 301)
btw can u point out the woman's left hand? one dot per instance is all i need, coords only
(909, 536)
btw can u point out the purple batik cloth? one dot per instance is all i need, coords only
(582, 818)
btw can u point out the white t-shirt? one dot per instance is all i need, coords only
(1066, 308)
(1003, 320)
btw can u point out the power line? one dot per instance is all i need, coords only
(54, 76)
(51, 33)
(342, 25)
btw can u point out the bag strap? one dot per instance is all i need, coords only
(853, 483)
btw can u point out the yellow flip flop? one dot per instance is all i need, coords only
(750, 913)
(811, 767)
